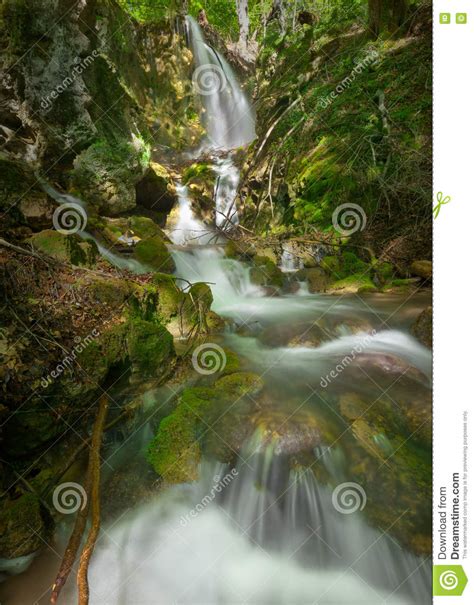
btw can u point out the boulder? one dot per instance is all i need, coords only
(152, 252)
(37, 210)
(422, 268)
(264, 272)
(317, 279)
(423, 327)
(66, 248)
(156, 190)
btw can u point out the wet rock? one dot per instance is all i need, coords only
(317, 279)
(423, 327)
(153, 253)
(238, 385)
(264, 272)
(389, 365)
(293, 335)
(285, 432)
(422, 268)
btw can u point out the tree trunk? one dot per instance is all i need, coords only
(244, 25)
(399, 13)
(375, 17)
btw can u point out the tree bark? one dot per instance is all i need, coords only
(244, 24)
(94, 477)
(375, 17)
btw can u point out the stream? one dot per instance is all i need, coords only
(264, 531)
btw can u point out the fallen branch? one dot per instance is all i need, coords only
(25, 252)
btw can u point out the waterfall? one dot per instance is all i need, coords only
(227, 114)
(257, 533)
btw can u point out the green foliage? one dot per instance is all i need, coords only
(150, 11)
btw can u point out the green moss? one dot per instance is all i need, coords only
(175, 452)
(198, 171)
(264, 272)
(150, 347)
(239, 384)
(354, 283)
(22, 527)
(154, 253)
(66, 248)
(144, 227)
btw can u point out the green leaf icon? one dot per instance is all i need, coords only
(448, 580)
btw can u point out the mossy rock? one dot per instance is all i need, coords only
(156, 190)
(175, 452)
(422, 268)
(239, 384)
(360, 282)
(239, 250)
(153, 253)
(170, 297)
(317, 279)
(145, 227)
(23, 529)
(66, 248)
(384, 271)
(264, 272)
(150, 348)
(107, 290)
(105, 174)
(423, 327)
(344, 265)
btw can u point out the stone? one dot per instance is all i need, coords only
(152, 252)
(422, 329)
(422, 268)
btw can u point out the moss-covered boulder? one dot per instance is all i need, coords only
(153, 253)
(238, 385)
(422, 268)
(23, 527)
(359, 282)
(175, 452)
(105, 174)
(150, 348)
(37, 210)
(264, 272)
(66, 248)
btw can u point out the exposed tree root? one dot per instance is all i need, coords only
(93, 473)
(92, 485)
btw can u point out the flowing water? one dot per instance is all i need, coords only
(267, 528)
